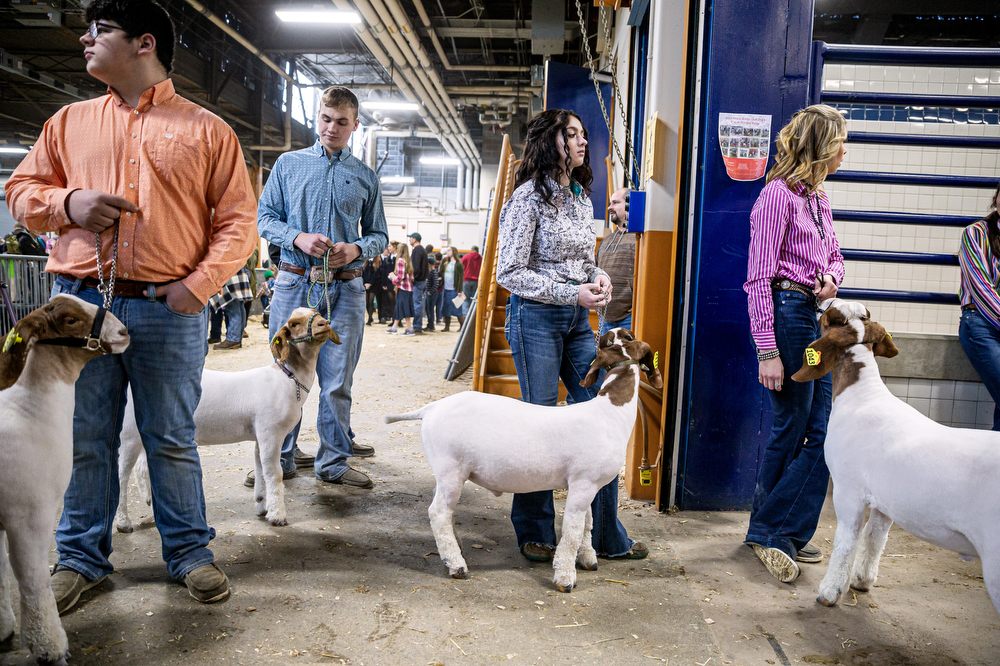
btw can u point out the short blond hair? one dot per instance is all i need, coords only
(803, 147)
(339, 97)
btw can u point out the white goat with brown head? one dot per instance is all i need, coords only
(41, 360)
(509, 446)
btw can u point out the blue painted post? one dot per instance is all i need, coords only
(757, 55)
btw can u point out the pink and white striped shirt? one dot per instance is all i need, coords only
(785, 243)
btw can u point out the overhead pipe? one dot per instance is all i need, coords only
(426, 20)
(468, 188)
(374, 46)
(475, 188)
(377, 35)
(460, 187)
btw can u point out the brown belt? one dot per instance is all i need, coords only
(343, 274)
(970, 306)
(784, 284)
(123, 288)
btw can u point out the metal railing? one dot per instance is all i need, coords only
(893, 55)
(28, 285)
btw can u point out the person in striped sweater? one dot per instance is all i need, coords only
(794, 264)
(979, 330)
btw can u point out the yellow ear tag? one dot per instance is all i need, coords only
(656, 360)
(12, 339)
(812, 356)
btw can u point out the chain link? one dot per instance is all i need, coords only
(616, 93)
(326, 286)
(597, 88)
(107, 290)
(602, 310)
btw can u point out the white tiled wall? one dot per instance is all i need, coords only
(956, 404)
(913, 199)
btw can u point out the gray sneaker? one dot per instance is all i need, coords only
(353, 477)
(248, 482)
(809, 554)
(778, 563)
(207, 584)
(68, 585)
(303, 459)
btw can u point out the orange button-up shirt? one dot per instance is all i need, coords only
(178, 163)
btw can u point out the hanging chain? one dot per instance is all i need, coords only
(107, 290)
(602, 310)
(597, 89)
(326, 286)
(815, 215)
(616, 92)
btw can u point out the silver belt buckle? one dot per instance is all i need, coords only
(785, 284)
(317, 274)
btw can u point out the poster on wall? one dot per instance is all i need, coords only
(744, 139)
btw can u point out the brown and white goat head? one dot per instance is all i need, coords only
(65, 317)
(844, 324)
(304, 325)
(619, 346)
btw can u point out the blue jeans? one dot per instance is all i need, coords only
(430, 307)
(439, 307)
(981, 341)
(334, 368)
(163, 364)
(792, 477)
(469, 288)
(235, 314)
(419, 287)
(621, 323)
(548, 342)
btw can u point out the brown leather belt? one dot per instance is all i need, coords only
(784, 284)
(970, 306)
(343, 274)
(123, 288)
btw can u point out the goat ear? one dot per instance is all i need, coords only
(600, 362)
(334, 338)
(279, 344)
(883, 344)
(817, 360)
(649, 365)
(17, 344)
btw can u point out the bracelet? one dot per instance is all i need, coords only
(767, 355)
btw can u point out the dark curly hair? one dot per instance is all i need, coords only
(541, 159)
(138, 17)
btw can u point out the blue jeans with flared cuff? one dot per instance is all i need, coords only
(792, 476)
(163, 363)
(549, 342)
(981, 341)
(334, 367)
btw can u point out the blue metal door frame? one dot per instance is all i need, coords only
(757, 60)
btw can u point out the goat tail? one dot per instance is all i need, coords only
(409, 416)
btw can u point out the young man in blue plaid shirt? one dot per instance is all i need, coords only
(323, 206)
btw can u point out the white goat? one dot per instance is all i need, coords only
(938, 483)
(262, 404)
(509, 446)
(41, 360)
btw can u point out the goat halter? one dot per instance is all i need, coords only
(309, 337)
(299, 386)
(91, 341)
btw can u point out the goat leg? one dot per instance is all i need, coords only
(7, 621)
(870, 548)
(41, 630)
(442, 515)
(586, 557)
(850, 514)
(128, 454)
(573, 526)
(270, 459)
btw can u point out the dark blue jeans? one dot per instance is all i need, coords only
(792, 477)
(430, 308)
(981, 341)
(419, 288)
(549, 342)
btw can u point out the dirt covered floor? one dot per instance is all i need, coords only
(354, 578)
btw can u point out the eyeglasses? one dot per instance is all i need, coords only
(96, 28)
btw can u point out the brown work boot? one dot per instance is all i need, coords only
(68, 585)
(207, 584)
(353, 477)
(229, 344)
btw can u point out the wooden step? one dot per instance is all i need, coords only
(507, 385)
(497, 338)
(500, 362)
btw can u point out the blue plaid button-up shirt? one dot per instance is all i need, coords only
(338, 197)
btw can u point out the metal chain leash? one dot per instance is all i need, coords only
(326, 286)
(107, 290)
(597, 89)
(616, 93)
(601, 315)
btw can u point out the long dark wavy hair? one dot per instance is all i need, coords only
(992, 218)
(541, 159)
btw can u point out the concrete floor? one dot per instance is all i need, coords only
(354, 578)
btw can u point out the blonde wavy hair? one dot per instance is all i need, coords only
(403, 252)
(804, 146)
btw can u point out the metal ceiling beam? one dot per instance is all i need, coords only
(14, 65)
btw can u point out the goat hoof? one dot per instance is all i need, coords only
(276, 520)
(124, 528)
(585, 566)
(459, 573)
(59, 660)
(564, 588)
(861, 586)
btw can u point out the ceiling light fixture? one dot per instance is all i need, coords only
(377, 105)
(317, 16)
(12, 150)
(398, 179)
(441, 160)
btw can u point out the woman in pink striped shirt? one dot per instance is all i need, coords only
(979, 330)
(794, 264)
